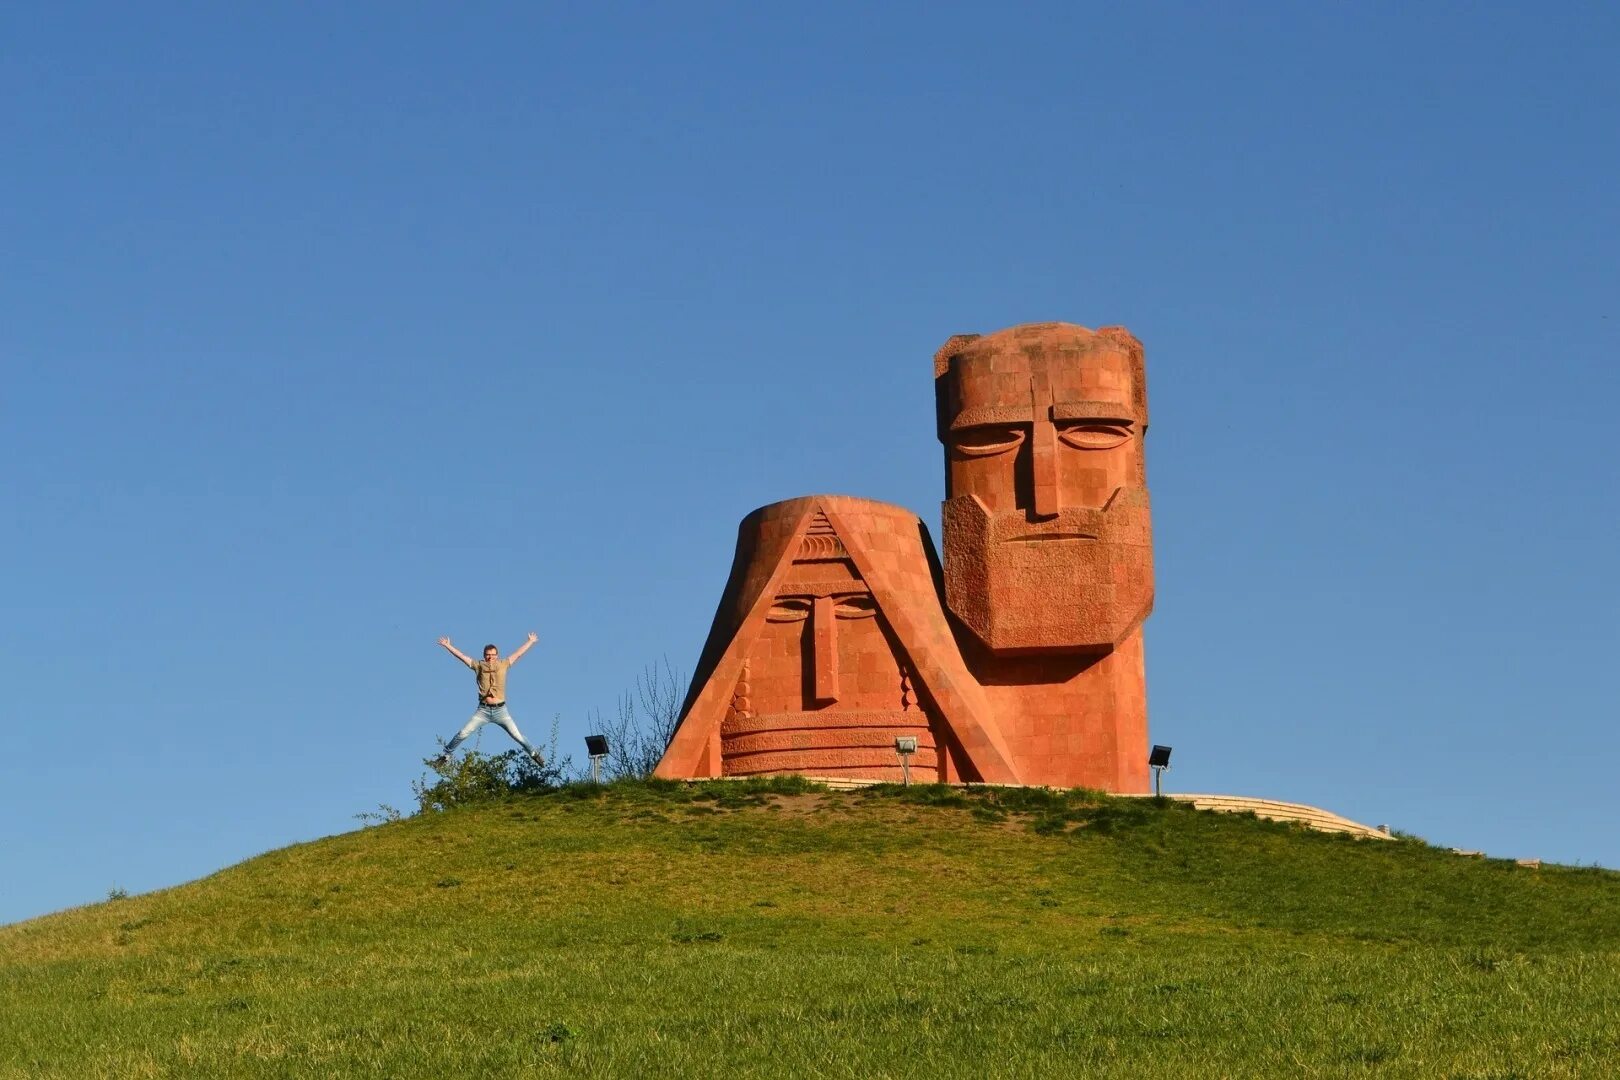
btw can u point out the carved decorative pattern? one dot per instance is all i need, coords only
(742, 705)
(821, 541)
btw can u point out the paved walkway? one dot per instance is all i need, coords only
(1313, 817)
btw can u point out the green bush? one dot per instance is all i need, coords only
(482, 778)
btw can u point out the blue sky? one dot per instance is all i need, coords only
(330, 329)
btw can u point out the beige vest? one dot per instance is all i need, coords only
(491, 679)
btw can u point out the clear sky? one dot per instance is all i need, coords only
(330, 329)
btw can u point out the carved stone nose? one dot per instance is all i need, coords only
(824, 634)
(1044, 462)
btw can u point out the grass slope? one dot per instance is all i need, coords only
(766, 930)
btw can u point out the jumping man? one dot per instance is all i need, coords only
(491, 672)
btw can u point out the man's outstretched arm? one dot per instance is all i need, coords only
(455, 652)
(523, 648)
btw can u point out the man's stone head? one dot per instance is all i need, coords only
(1048, 541)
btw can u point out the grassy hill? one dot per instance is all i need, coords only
(775, 930)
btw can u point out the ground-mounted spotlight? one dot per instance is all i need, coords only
(597, 747)
(1158, 761)
(905, 746)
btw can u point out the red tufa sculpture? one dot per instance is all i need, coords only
(1048, 543)
(829, 642)
(832, 639)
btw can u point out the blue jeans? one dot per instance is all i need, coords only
(491, 714)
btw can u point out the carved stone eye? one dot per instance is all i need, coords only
(855, 607)
(1095, 435)
(987, 440)
(789, 609)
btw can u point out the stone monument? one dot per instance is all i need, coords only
(1019, 661)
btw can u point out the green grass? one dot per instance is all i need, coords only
(770, 930)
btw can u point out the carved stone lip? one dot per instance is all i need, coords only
(1033, 537)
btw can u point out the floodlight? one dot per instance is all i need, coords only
(905, 746)
(597, 747)
(1158, 761)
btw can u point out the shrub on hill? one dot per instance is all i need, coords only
(481, 778)
(645, 722)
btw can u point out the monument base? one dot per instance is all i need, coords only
(1312, 817)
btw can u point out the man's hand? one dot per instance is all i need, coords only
(455, 652)
(521, 649)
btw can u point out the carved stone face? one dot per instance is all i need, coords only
(823, 645)
(824, 688)
(1048, 539)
